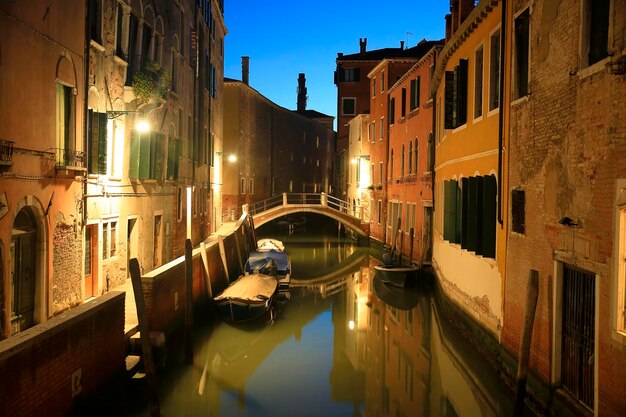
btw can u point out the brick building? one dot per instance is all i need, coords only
(277, 150)
(359, 176)
(411, 153)
(567, 196)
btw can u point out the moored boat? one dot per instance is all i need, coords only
(265, 245)
(394, 296)
(247, 298)
(270, 262)
(398, 275)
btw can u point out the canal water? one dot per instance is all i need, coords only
(343, 344)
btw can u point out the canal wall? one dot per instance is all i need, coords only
(49, 368)
(164, 287)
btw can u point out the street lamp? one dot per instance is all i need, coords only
(356, 158)
(230, 156)
(141, 125)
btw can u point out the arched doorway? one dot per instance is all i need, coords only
(23, 270)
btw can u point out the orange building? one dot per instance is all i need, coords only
(411, 157)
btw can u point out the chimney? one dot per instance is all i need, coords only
(448, 27)
(465, 8)
(245, 69)
(363, 44)
(302, 97)
(402, 45)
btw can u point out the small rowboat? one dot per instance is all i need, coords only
(247, 298)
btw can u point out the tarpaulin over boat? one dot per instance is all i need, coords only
(257, 260)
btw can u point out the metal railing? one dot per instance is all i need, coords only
(310, 199)
(6, 152)
(69, 158)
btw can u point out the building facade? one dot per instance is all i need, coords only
(411, 153)
(277, 150)
(567, 197)
(359, 175)
(42, 158)
(116, 161)
(469, 239)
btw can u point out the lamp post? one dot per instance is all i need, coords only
(231, 157)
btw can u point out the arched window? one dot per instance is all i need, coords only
(415, 160)
(391, 165)
(410, 157)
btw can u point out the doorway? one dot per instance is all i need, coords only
(23, 269)
(91, 261)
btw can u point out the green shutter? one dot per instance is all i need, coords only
(144, 157)
(461, 92)
(413, 89)
(102, 143)
(156, 160)
(458, 213)
(133, 163)
(472, 213)
(489, 216)
(464, 214)
(449, 101)
(94, 128)
(446, 210)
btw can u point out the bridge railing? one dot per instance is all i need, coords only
(312, 199)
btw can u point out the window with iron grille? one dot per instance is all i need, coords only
(518, 211)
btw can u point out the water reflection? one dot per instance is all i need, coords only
(344, 344)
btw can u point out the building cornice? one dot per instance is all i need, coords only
(220, 16)
(418, 64)
(472, 21)
(386, 61)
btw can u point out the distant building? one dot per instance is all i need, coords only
(277, 150)
(359, 176)
(411, 154)
(353, 97)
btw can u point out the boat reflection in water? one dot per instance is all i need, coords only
(341, 346)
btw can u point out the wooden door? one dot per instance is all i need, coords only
(91, 260)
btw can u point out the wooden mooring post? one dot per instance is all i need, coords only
(144, 333)
(532, 294)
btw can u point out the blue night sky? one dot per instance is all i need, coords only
(286, 37)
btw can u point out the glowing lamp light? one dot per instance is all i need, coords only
(232, 158)
(351, 324)
(354, 161)
(142, 126)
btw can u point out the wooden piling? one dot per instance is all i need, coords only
(207, 275)
(411, 237)
(144, 337)
(188, 302)
(532, 294)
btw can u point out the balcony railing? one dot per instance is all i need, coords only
(70, 159)
(6, 152)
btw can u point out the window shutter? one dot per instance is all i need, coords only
(464, 213)
(357, 74)
(94, 129)
(417, 92)
(145, 150)
(518, 211)
(133, 163)
(452, 192)
(446, 210)
(449, 101)
(102, 143)
(472, 213)
(458, 213)
(403, 102)
(392, 108)
(156, 163)
(413, 88)
(489, 216)
(461, 92)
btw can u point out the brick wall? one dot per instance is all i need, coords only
(49, 367)
(67, 267)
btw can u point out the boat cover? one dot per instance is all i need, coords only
(257, 260)
(255, 287)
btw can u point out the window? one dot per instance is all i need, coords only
(596, 21)
(520, 62)
(242, 186)
(431, 154)
(348, 75)
(391, 164)
(494, 71)
(372, 173)
(373, 131)
(382, 128)
(97, 143)
(174, 70)
(415, 93)
(109, 239)
(456, 96)
(431, 77)
(415, 160)
(348, 106)
(132, 53)
(65, 125)
(105, 241)
(380, 172)
(119, 46)
(251, 185)
(380, 211)
(620, 247)
(410, 157)
(95, 20)
(146, 155)
(374, 87)
(403, 104)
(518, 211)
(478, 82)
(392, 110)
(402, 163)
(113, 231)
(382, 81)
(174, 148)
(470, 214)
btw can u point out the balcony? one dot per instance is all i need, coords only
(70, 159)
(6, 153)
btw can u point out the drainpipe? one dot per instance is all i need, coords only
(501, 109)
(86, 105)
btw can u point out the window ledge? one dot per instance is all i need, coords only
(619, 336)
(593, 69)
(519, 101)
(96, 45)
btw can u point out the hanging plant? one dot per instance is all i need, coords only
(151, 82)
